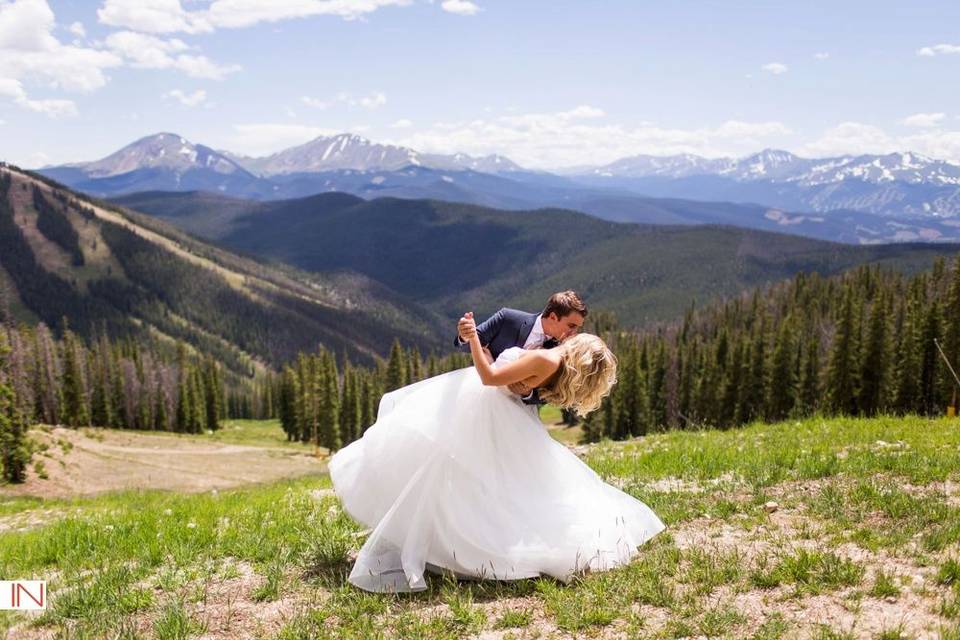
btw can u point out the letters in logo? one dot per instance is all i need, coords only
(24, 595)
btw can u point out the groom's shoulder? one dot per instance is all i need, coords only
(515, 314)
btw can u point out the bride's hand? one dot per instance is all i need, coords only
(467, 326)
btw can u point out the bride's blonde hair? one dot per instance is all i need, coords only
(588, 370)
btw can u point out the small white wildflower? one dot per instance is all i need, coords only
(168, 512)
(109, 527)
(191, 525)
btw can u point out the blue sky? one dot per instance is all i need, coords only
(549, 84)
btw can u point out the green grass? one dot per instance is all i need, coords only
(154, 555)
(258, 433)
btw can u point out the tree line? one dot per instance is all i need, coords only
(862, 343)
(859, 344)
(330, 406)
(121, 383)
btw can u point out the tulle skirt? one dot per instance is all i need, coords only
(460, 476)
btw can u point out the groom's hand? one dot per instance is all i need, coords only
(520, 389)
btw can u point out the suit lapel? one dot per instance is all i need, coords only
(526, 328)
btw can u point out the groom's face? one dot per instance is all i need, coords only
(563, 328)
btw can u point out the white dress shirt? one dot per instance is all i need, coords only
(537, 337)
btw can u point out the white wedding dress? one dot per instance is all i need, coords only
(464, 477)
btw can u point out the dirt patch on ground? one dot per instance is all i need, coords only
(98, 460)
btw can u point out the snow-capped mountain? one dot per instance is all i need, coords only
(349, 151)
(164, 162)
(159, 151)
(895, 184)
(493, 163)
(782, 166)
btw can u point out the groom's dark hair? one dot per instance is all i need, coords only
(564, 303)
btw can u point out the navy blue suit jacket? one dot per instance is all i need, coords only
(504, 329)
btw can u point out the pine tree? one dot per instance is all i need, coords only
(287, 403)
(930, 363)
(329, 404)
(658, 388)
(213, 394)
(414, 366)
(396, 368)
(808, 400)
(873, 370)
(75, 408)
(907, 390)
(951, 332)
(781, 387)
(349, 406)
(117, 394)
(841, 378)
(369, 398)
(752, 394)
(14, 453)
(727, 410)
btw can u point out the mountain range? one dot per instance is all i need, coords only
(906, 185)
(881, 198)
(255, 282)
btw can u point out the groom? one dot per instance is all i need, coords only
(561, 318)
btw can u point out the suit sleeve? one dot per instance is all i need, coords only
(534, 398)
(487, 331)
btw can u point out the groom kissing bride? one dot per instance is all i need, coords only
(458, 474)
(562, 318)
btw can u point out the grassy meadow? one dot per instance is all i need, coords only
(819, 528)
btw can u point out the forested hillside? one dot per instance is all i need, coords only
(114, 271)
(451, 257)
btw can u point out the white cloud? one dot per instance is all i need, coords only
(402, 123)
(924, 119)
(187, 99)
(460, 7)
(583, 136)
(776, 68)
(315, 103)
(373, 101)
(150, 52)
(29, 53)
(939, 49)
(55, 108)
(203, 67)
(264, 138)
(850, 138)
(822, 55)
(25, 25)
(151, 16)
(169, 16)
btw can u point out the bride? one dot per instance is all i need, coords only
(459, 475)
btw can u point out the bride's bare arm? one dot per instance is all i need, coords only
(533, 365)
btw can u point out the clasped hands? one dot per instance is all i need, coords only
(467, 328)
